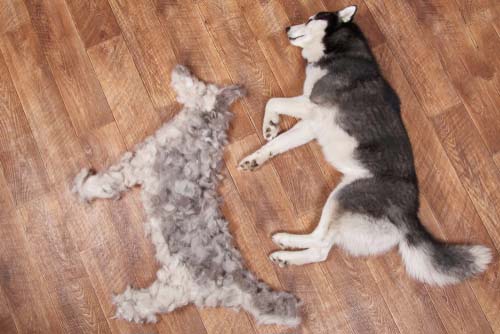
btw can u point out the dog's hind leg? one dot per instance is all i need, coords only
(268, 306)
(310, 255)
(172, 289)
(318, 237)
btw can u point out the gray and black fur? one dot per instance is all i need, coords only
(178, 169)
(354, 114)
(370, 112)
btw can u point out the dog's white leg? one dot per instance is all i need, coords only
(109, 183)
(298, 107)
(300, 134)
(317, 238)
(310, 255)
(289, 240)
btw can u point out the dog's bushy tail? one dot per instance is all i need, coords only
(436, 262)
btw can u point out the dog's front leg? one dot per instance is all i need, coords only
(300, 134)
(298, 107)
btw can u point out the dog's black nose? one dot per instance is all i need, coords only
(287, 28)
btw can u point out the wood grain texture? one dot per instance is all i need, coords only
(444, 193)
(350, 283)
(22, 284)
(132, 109)
(19, 157)
(6, 199)
(150, 48)
(51, 245)
(194, 47)
(70, 66)
(41, 101)
(7, 323)
(83, 81)
(470, 70)
(475, 168)
(94, 20)
(50, 124)
(419, 60)
(496, 157)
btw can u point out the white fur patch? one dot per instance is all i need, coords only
(309, 37)
(361, 235)
(419, 265)
(482, 256)
(337, 145)
(346, 14)
(313, 74)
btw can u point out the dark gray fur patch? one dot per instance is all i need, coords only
(187, 204)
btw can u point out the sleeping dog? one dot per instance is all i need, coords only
(354, 114)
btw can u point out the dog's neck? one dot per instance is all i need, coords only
(314, 51)
(313, 54)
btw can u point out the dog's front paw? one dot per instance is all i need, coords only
(248, 164)
(281, 239)
(253, 161)
(270, 127)
(279, 258)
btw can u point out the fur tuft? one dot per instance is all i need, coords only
(229, 94)
(78, 182)
(438, 263)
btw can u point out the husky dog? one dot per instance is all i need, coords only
(178, 170)
(354, 114)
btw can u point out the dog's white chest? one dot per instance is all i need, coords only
(337, 145)
(313, 74)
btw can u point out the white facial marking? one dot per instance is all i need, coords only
(309, 37)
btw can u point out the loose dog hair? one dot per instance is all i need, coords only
(178, 170)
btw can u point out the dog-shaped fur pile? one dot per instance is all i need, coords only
(178, 170)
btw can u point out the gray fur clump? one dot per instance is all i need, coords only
(178, 170)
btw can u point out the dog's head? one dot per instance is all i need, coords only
(200, 96)
(313, 35)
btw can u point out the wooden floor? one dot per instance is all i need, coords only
(83, 80)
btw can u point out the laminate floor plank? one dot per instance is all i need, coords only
(194, 47)
(151, 50)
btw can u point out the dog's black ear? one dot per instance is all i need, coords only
(229, 94)
(347, 14)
